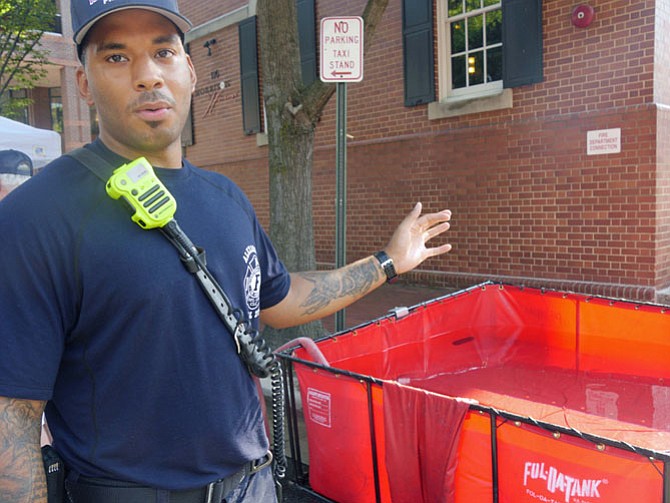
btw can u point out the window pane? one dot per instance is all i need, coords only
(494, 27)
(458, 72)
(494, 64)
(475, 32)
(471, 5)
(455, 7)
(475, 42)
(20, 112)
(476, 68)
(457, 37)
(56, 103)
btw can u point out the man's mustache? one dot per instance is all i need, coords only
(152, 97)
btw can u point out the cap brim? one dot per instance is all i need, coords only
(180, 21)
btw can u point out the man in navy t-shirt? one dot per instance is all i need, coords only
(106, 332)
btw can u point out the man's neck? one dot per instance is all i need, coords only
(169, 158)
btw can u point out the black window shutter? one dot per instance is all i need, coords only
(307, 36)
(418, 58)
(522, 42)
(251, 110)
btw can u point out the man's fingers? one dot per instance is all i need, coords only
(436, 230)
(414, 215)
(438, 250)
(431, 219)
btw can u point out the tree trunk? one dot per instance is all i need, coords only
(290, 138)
(292, 111)
(291, 228)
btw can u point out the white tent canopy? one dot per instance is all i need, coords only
(41, 145)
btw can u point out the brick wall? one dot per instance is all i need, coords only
(662, 265)
(219, 140)
(662, 98)
(40, 108)
(199, 11)
(529, 204)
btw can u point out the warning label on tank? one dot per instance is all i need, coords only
(319, 407)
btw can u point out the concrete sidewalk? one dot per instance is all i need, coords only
(385, 298)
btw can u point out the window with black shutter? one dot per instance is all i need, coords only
(251, 112)
(249, 61)
(485, 47)
(522, 42)
(307, 37)
(417, 35)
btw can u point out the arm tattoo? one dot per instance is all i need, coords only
(331, 285)
(22, 476)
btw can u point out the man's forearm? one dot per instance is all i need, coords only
(22, 478)
(330, 289)
(316, 294)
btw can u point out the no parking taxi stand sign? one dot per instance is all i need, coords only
(342, 49)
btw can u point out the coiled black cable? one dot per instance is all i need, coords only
(278, 412)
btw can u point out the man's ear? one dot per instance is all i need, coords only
(83, 86)
(194, 77)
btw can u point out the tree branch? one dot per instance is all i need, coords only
(17, 66)
(21, 28)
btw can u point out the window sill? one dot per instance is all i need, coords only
(261, 139)
(455, 107)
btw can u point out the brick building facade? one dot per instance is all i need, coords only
(530, 205)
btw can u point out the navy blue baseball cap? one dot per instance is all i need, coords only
(15, 162)
(85, 13)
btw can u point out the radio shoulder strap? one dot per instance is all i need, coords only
(95, 163)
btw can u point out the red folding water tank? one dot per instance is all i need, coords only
(496, 393)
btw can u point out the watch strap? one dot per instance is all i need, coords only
(387, 266)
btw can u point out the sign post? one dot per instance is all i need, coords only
(341, 62)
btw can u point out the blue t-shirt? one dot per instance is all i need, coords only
(101, 318)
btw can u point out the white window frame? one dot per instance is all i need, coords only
(446, 93)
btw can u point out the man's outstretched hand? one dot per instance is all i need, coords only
(407, 246)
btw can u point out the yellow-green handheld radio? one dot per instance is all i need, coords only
(137, 184)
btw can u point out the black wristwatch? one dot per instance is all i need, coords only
(387, 265)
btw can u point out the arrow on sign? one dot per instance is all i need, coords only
(335, 74)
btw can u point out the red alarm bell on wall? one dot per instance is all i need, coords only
(582, 15)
